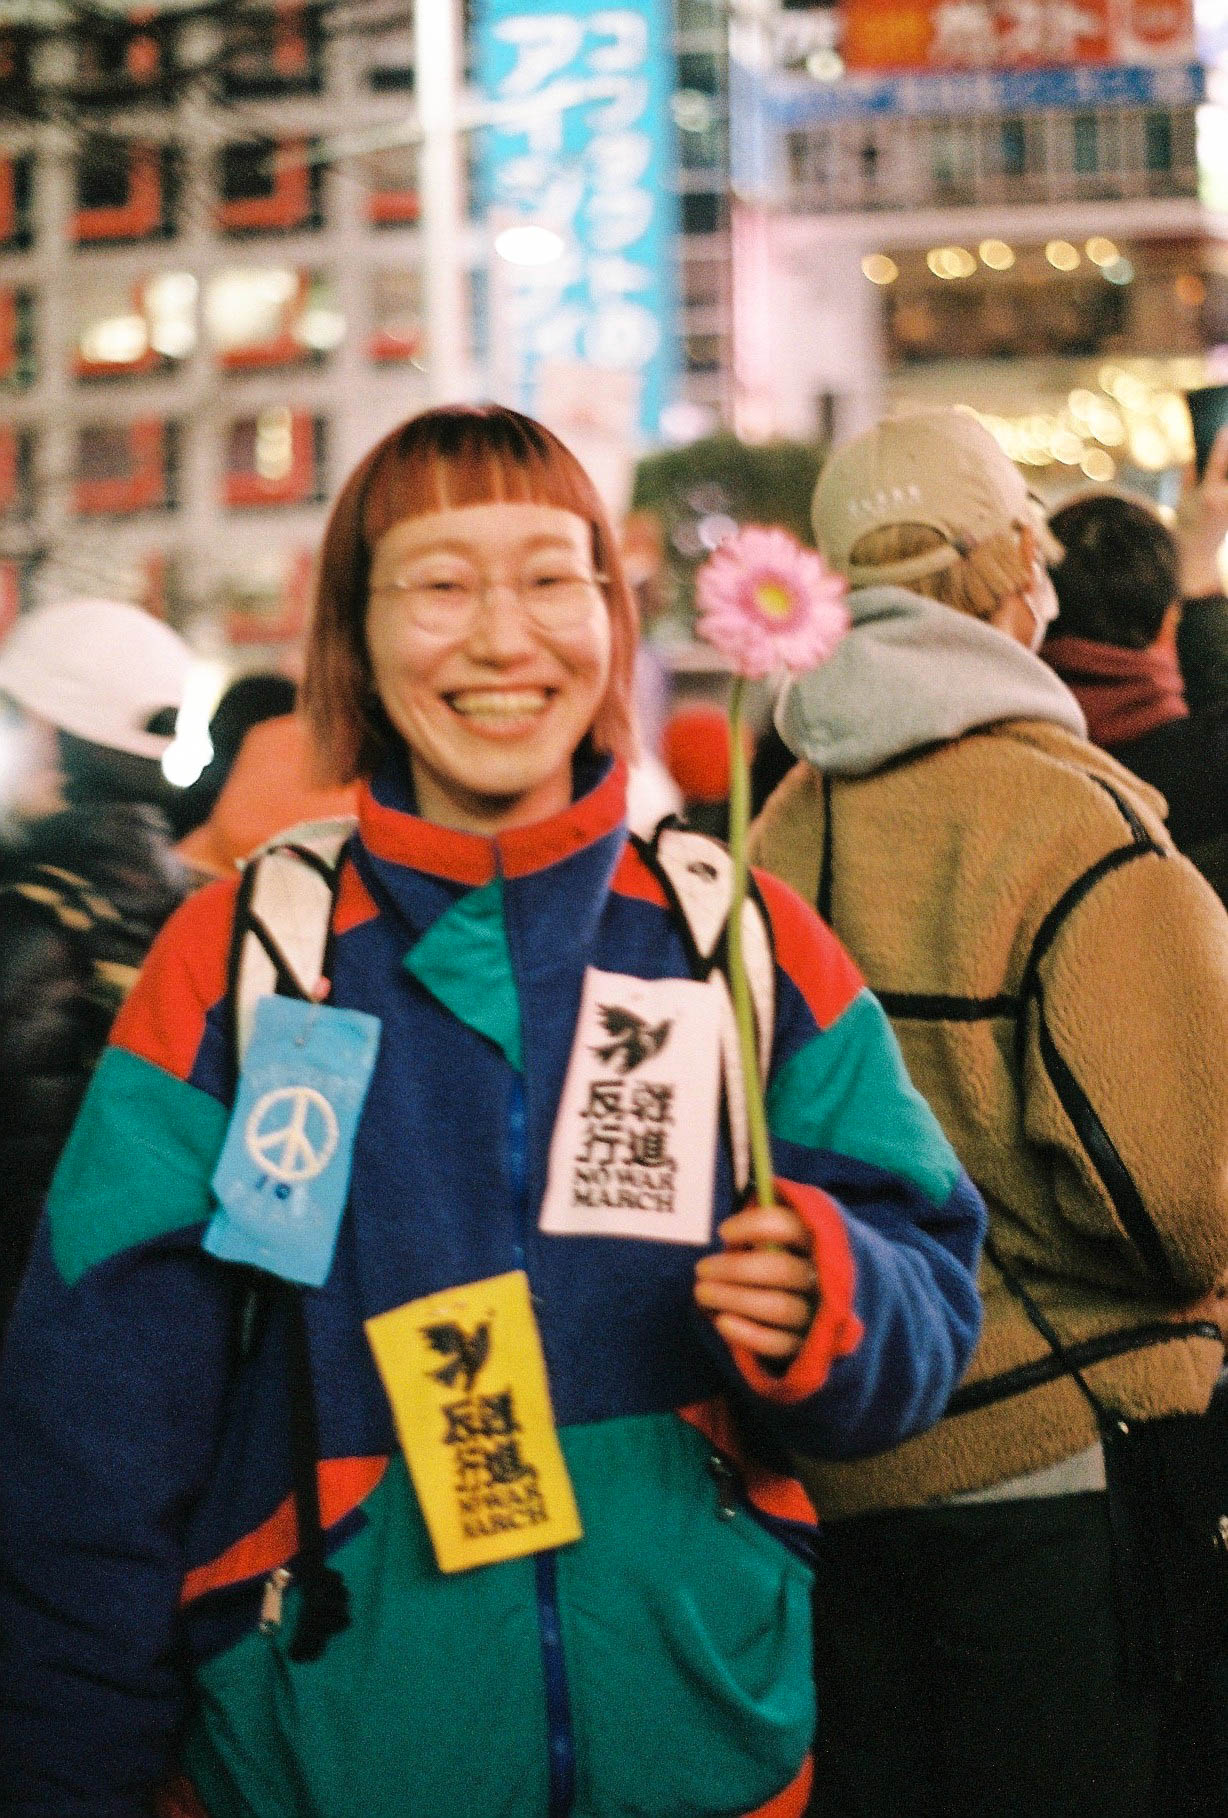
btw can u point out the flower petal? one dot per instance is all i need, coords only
(766, 603)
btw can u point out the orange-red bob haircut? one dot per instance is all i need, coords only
(462, 454)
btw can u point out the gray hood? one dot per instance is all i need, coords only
(912, 672)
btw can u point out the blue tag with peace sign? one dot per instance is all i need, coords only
(284, 1172)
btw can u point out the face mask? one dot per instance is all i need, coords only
(1041, 602)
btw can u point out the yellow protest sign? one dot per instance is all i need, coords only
(466, 1377)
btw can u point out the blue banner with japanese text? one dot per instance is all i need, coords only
(579, 150)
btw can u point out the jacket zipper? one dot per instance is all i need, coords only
(559, 1738)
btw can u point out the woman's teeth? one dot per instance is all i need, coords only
(499, 703)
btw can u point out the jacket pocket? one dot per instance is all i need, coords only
(430, 1702)
(687, 1632)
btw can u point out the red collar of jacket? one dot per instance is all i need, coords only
(474, 859)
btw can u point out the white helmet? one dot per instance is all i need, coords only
(99, 669)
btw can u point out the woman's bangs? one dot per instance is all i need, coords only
(415, 475)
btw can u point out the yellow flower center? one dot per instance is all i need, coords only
(774, 599)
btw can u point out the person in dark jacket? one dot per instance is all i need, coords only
(1142, 642)
(87, 876)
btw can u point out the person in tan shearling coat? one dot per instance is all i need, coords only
(1058, 979)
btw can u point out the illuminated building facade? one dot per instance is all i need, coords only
(211, 297)
(994, 200)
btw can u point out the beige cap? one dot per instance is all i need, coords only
(941, 468)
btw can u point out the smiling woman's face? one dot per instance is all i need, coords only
(489, 643)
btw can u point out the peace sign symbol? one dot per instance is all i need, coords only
(295, 1147)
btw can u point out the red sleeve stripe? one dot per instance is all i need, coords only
(792, 1801)
(835, 1330)
(633, 878)
(809, 953)
(344, 1483)
(184, 975)
(769, 1491)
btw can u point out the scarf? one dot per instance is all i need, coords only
(1124, 693)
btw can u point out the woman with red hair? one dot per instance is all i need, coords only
(430, 1455)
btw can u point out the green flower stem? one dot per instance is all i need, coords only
(743, 1011)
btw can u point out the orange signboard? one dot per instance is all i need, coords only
(917, 35)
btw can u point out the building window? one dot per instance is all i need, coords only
(16, 472)
(271, 316)
(390, 66)
(396, 314)
(127, 331)
(17, 368)
(391, 176)
(16, 187)
(275, 458)
(704, 212)
(1086, 138)
(118, 57)
(124, 191)
(268, 186)
(125, 467)
(15, 72)
(953, 160)
(1158, 141)
(703, 283)
(278, 50)
(703, 353)
(700, 124)
(269, 602)
(1014, 144)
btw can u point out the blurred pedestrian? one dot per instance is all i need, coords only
(248, 701)
(271, 785)
(1058, 979)
(695, 745)
(1124, 586)
(87, 876)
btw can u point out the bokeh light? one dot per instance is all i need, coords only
(880, 269)
(996, 254)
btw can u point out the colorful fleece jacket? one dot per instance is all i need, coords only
(660, 1665)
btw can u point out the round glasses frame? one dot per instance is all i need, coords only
(551, 602)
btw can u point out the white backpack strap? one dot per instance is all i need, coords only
(283, 919)
(696, 873)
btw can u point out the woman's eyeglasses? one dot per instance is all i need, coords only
(553, 599)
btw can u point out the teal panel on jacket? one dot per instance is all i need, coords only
(431, 1702)
(831, 1093)
(688, 1653)
(136, 1165)
(463, 960)
(687, 1633)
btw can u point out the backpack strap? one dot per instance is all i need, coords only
(281, 943)
(695, 871)
(282, 939)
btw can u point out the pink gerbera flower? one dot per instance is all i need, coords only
(766, 603)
